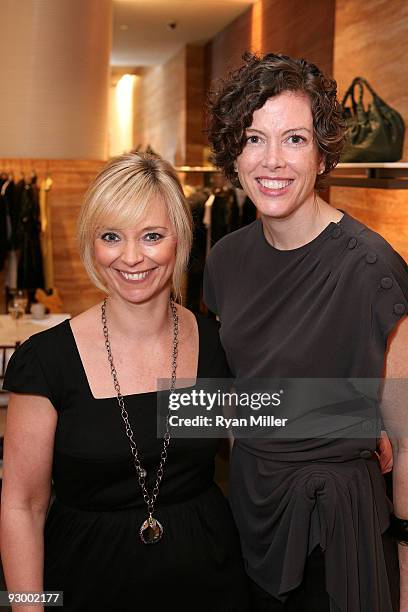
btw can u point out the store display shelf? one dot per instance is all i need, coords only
(386, 175)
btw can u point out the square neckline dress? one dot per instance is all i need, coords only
(92, 547)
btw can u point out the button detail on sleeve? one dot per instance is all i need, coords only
(336, 233)
(386, 282)
(399, 309)
(365, 454)
(371, 258)
(352, 243)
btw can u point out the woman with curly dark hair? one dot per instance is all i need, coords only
(306, 291)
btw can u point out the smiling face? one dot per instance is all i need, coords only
(137, 263)
(279, 163)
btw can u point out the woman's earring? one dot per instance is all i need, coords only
(235, 168)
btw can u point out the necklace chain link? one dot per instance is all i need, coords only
(150, 499)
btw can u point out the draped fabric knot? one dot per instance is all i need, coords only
(293, 507)
(314, 485)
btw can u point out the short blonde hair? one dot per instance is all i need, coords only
(121, 193)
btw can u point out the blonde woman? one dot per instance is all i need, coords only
(137, 520)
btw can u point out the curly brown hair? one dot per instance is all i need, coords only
(246, 90)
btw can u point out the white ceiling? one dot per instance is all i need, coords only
(141, 36)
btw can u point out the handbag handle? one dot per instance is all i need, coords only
(359, 82)
(362, 82)
(350, 94)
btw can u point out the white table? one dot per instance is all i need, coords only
(10, 332)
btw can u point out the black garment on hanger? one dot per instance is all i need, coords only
(16, 212)
(30, 265)
(3, 226)
(226, 216)
(197, 256)
(12, 202)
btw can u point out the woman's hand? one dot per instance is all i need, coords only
(384, 453)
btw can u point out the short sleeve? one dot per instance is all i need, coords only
(391, 292)
(209, 288)
(25, 373)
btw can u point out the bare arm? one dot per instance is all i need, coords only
(395, 412)
(384, 453)
(28, 452)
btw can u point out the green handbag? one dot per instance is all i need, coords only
(375, 134)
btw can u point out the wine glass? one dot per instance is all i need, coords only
(17, 304)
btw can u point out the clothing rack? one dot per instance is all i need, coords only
(217, 209)
(21, 185)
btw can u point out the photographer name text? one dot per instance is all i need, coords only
(226, 423)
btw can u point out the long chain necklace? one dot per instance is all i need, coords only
(151, 530)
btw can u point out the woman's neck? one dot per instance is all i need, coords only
(301, 227)
(138, 321)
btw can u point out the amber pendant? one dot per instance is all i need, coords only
(151, 531)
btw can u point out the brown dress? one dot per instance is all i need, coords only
(323, 310)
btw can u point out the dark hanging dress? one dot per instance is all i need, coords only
(30, 265)
(323, 310)
(92, 548)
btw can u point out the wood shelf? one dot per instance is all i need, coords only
(375, 175)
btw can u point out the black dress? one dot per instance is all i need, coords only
(92, 548)
(323, 310)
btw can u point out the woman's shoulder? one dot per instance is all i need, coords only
(374, 273)
(36, 366)
(48, 346)
(365, 258)
(371, 245)
(47, 341)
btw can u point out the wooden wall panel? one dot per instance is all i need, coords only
(195, 102)
(71, 179)
(224, 52)
(169, 107)
(371, 40)
(160, 117)
(70, 182)
(301, 28)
